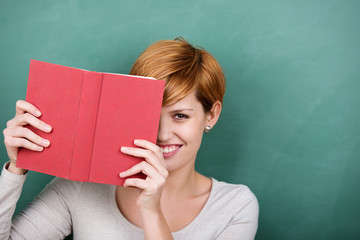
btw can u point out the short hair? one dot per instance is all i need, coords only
(184, 69)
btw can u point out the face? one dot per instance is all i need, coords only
(180, 132)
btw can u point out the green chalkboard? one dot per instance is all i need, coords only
(290, 123)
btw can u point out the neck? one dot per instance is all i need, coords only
(182, 183)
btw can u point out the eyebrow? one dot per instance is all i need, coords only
(181, 110)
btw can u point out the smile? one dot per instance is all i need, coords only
(169, 149)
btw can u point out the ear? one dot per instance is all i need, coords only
(213, 115)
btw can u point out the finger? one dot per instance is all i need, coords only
(136, 182)
(28, 134)
(23, 106)
(27, 118)
(149, 156)
(150, 146)
(149, 187)
(143, 167)
(22, 142)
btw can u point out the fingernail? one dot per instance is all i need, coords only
(48, 128)
(45, 142)
(121, 174)
(37, 113)
(124, 148)
(136, 141)
(38, 148)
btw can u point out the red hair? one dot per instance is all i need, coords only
(184, 69)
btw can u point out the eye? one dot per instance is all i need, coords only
(180, 116)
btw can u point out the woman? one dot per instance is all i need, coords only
(173, 202)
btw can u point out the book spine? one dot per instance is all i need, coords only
(86, 124)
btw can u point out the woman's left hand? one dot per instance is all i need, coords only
(154, 168)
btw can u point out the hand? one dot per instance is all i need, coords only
(16, 135)
(154, 168)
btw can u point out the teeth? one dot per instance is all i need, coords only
(169, 149)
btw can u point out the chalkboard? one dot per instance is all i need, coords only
(290, 123)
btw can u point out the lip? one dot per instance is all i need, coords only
(170, 154)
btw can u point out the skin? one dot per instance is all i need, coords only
(15, 135)
(173, 193)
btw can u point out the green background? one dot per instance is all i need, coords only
(290, 123)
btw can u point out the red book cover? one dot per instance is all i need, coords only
(92, 114)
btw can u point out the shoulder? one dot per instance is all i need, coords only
(233, 209)
(235, 197)
(230, 190)
(72, 193)
(60, 190)
(74, 190)
(65, 185)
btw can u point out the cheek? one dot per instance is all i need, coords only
(193, 135)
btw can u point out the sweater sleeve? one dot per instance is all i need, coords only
(49, 216)
(244, 223)
(10, 190)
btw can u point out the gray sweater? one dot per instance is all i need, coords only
(89, 211)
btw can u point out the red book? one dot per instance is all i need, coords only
(92, 114)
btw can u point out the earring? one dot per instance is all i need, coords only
(207, 128)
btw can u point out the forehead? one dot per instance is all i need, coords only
(188, 102)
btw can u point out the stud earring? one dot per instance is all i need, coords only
(207, 129)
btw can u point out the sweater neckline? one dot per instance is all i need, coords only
(138, 229)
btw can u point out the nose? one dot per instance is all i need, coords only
(164, 132)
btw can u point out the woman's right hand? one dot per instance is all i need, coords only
(16, 135)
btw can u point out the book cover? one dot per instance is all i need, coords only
(92, 114)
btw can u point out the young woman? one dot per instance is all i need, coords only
(173, 202)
